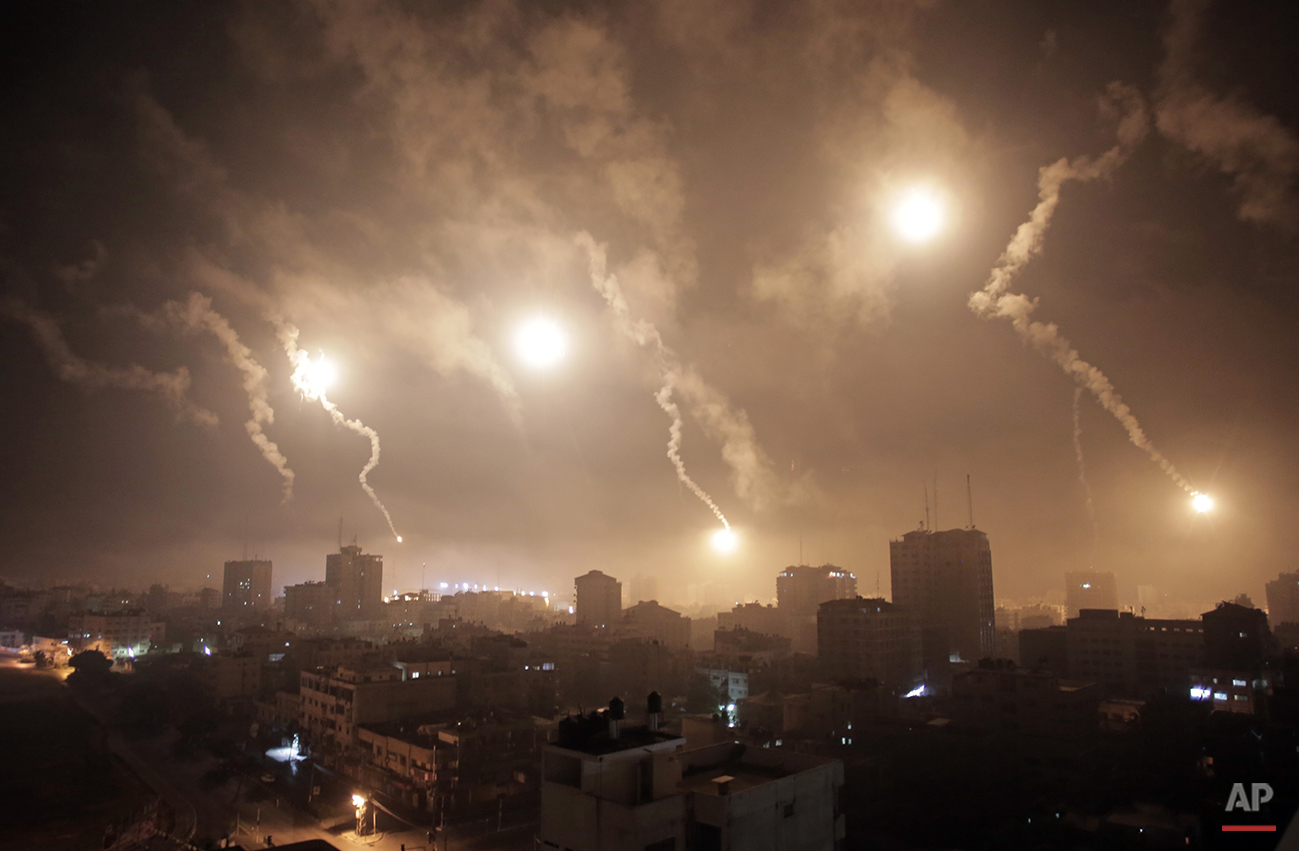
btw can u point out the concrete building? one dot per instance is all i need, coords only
(1132, 655)
(612, 787)
(869, 639)
(1089, 589)
(800, 589)
(308, 603)
(740, 644)
(444, 766)
(599, 600)
(1242, 692)
(355, 582)
(1283, 599)
(1235, 637)
(999, 696)
(756, 617)
(651, 621)
(247, 586)
(945, 580)
(115, 634)
(335, 702)
(1046, 648)
(731, 686)
(232, 675)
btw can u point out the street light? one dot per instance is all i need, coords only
(359, 802)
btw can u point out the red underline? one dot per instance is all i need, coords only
(1238, 828)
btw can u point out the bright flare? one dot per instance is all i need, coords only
(725, 542)
(540, 343)
(399, 539)
(1202, 503)
(320, 374)
(918, 216)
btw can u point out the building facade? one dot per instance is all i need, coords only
(355, 582)
(247, 585)
(308, 603)
(335, 702)
(599, 600)
(616, 788)
(1133, 655)
(1283, 599)
(651, 621)
(868, 639)
(800, 589)
(115, 634)
(945, 580)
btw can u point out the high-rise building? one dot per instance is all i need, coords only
(247, 585)
(801, 589)
(1283, 599)
(945, 580)
(599, 600)
(1089, 589)
(868, 639)
(355, 583)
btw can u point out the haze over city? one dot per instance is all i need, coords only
(779, 214)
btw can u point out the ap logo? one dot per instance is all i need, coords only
(1238, 800)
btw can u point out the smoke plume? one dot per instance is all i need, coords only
(995, 299)
(197, 315)
(1082, 466)
(312, 388)
(70, 367)
(1256, 150)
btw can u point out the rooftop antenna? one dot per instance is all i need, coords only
(340, 533)
(245, 537)
(969, 499)
(925, 487)
(800, 550)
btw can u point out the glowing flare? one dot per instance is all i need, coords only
(317, 377)
(918, 216)
(399, 539)
(725, 541)
(540, 343)
(1202, 503)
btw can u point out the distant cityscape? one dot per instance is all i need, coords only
(437, 707)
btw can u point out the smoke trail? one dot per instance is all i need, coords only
(994, 300)
(309, 382)
(643, 333)
(198, 315)
(664, 398)
(70, 367)
(1082, 466)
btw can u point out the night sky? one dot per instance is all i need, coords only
(405, 183)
